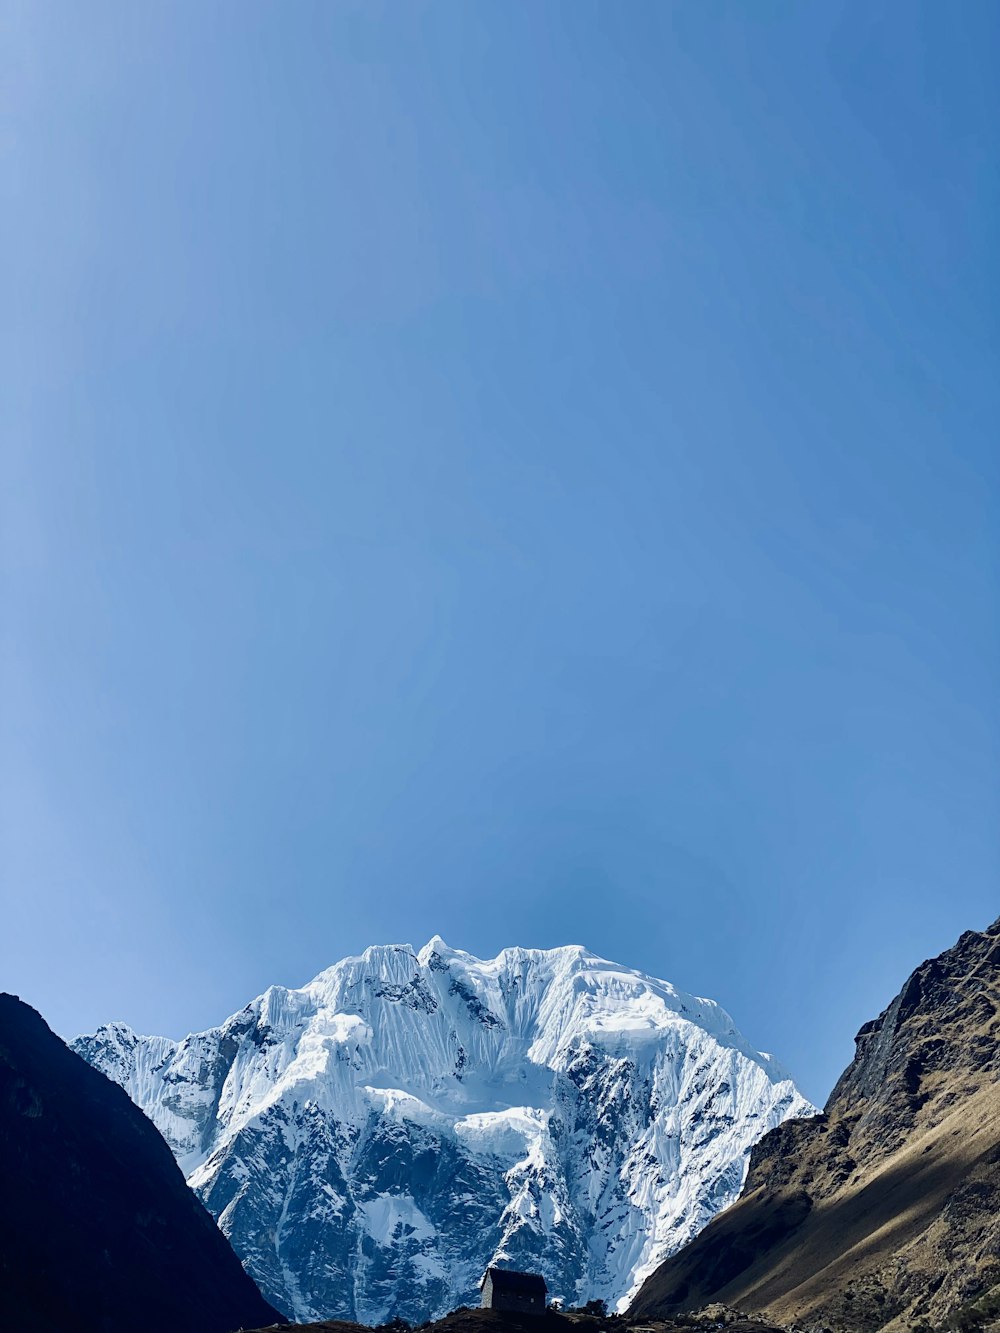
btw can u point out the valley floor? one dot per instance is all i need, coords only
(495, 1321)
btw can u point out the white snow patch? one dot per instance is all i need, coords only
(393, 1217)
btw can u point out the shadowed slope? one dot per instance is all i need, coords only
(98, 1231)
(883, 1211)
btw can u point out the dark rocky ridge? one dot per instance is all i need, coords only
(99, 1233)
(882, 1213)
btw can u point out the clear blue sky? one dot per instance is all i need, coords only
(522, 471)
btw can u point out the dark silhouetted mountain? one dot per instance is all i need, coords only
(883, 1212)
(98, 1231)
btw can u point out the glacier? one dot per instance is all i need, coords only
(372, 1141)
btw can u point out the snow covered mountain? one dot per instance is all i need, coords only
(370, 1142)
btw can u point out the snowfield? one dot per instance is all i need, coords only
(372, 1141)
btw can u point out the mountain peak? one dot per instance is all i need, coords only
(435, 946)
(435, 1110)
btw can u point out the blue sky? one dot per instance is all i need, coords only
(518, 471)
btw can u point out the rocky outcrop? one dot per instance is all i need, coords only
(883, 1212)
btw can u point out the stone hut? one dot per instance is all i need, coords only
(503, 1289)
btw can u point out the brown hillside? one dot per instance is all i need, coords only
(882, 1213)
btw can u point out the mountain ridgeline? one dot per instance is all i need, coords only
(372, 1141)
(98, 1231)
(883, 1213)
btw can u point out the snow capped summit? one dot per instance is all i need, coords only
(372, 1141)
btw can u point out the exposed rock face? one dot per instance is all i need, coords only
(98, 1231)
(371, 1142)
(883, 1212)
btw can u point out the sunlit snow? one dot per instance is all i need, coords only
(372, 1140)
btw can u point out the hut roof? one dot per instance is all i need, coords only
(506, 1279)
